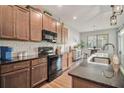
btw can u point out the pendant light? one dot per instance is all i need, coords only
(117, 9)
(113, 20)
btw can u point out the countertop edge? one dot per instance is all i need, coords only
(16, 60)
(103, 84)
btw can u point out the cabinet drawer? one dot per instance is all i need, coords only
(14, 66)
(39, 61)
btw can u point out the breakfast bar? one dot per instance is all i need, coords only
(90, 75)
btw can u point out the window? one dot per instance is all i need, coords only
(91, 41)
(102, 40)
(97, 40)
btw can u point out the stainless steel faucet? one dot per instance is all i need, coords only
(108, 45)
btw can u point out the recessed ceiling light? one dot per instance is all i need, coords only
(74, 17)
(59, 5)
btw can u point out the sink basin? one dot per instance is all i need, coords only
(99, 56)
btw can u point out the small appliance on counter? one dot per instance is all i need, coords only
(54, 62)
(5, 53)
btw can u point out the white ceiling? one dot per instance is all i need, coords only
(89, 17)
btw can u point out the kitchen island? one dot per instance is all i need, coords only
(90, 75)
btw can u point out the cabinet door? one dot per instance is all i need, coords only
(45, 22)
(59, 34)
(22, 23)
(63, 35)
(70, 62)
(16, 79)
(66, 35)
(39, 74)
(7, 22)
(53, 26)
(50, 22)
(64, 62)
(35, 25)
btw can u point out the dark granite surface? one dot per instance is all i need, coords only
(19, 60)
(94, 73)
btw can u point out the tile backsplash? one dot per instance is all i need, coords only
(29, 47)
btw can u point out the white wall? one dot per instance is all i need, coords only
(73, 39)
(111, 32)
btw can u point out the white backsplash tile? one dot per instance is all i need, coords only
(29, 47)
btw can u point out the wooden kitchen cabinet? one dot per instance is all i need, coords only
(7, 22)
(16, 79)
(22, 23)
(46, 22)
(70, 62)
(15, 75)
(82, 83)
(49, 23)
(52, 25)
(64, 61)
(38, 72)
(35, 25)
(59, 32)
(64, 34)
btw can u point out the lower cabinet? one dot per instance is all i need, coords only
(67, 60)
(64, 61)
(82, 83)
(70, 61)
(38, 73)
(23, 74)
(16, 79)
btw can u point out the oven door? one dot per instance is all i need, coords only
(52, 65)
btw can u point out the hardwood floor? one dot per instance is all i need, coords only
(63, 81)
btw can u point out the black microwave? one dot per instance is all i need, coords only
(49, 36)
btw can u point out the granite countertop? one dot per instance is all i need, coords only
(19, 60)
(94, 73)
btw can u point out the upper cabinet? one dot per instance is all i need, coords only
(64, 34)
(22, 23)
(7, 22)
(35, 25)
(14, 22)
(59, 32)
(49, 23)
(45, 22)
(53, 25)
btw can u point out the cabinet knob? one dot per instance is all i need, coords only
(32, 68)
